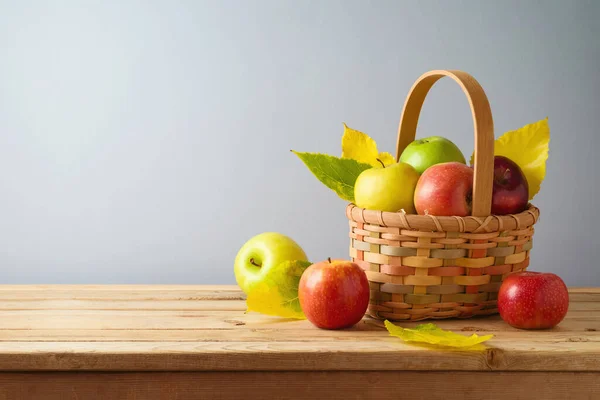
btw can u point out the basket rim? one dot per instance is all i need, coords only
(492, 223)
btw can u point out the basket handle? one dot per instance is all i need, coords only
(482, 122)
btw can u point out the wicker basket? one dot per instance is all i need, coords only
(425, 267)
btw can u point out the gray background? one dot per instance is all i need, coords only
(146, 141)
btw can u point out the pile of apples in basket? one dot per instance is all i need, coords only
(432, 176)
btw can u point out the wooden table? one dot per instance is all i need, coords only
(190, 342)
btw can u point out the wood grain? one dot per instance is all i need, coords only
(294, 356)
(119, 292)
(264, 335)
(132, 328)
(157, 297)
(145, 305)
(289, 385)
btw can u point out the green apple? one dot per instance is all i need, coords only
(261, 253)
(387, 189)
(423, 153)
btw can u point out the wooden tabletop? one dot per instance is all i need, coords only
(185, 335)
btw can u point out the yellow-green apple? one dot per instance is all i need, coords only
(423, 153)
(533, 300)
(510, 193)
(261, 253)
(445, 189)
(387, 189)
(334, 294)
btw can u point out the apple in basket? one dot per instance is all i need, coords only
(445, 189)
(511, 190)
(423, 153)
(334, 294)
(389, 188)
(533, 300)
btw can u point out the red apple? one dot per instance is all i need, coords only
(533, 300)
(510, 191)
(445, 189)
(334, 294)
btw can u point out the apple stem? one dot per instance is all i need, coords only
(254, 263)
(329, 259)
(381, 162)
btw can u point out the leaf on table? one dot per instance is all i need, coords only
(361, 147)
(432, 334)
(338, 174)
(277, 293)
(528, 147)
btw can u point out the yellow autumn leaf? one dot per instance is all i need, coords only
(277, 293)
(528, 147)
(432, 334)
(386, 158)
(362, 148)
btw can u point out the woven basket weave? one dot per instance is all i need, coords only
(426, 267)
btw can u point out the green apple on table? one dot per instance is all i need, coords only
(390, 188)
(423, 153)
(261, 253)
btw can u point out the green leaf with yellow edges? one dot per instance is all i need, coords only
(528, 147)
(338, 174)
(433, 335)
(361, 147)
(277, 293)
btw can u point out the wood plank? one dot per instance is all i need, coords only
(194, 313)
(494, 324)
(290, 385)
(205, 328)
(162, 288)
(107, 320)
(267, 335)
(146, 305)
(116, 292)
(125, 288)
(573, 306)
(173, 305)
(11, 314)
(167, 292)
(131, 319)
(381, 354)
(576, 296)
(577, 289)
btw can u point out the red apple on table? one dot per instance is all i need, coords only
(334, 294)
(533, 300)
(445, 189)
(510, 191)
